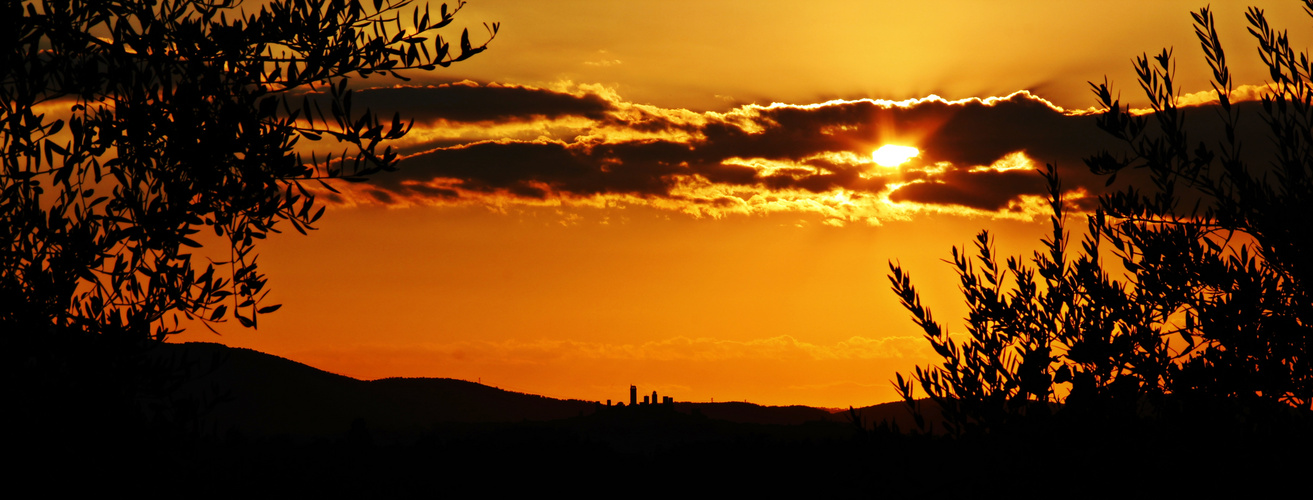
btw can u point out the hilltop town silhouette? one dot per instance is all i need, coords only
(633, 398)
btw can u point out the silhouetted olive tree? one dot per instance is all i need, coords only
(1248, 320)
(129, 127)
(1213, 307)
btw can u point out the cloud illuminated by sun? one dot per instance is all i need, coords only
(891, 155)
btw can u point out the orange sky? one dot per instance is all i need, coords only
(608, 195)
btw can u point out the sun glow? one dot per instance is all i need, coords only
(891, 155)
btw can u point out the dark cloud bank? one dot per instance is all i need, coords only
(592, 145)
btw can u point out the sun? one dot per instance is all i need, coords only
(891, 155)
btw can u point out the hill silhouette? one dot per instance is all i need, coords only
(265, 395)
(276, 421)
(259, 394)
(282, 427)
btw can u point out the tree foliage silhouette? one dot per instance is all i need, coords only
(129, 127)
(1213, 307)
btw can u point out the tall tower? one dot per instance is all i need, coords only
(633, 395)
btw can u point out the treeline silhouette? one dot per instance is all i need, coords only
(133, 132)
(1187, 311)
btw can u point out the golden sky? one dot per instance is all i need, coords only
(682, 195)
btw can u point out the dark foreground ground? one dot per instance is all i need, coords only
(284, 430)
(665, 453)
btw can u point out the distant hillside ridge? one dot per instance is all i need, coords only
(265, 395)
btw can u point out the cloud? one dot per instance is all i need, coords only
(469, 102)
(991, 189)
(578, 144)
